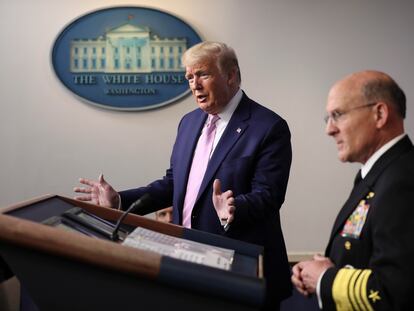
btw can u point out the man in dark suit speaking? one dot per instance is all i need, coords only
(369, 257)
(230, 142)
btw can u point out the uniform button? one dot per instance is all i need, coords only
(347, 245)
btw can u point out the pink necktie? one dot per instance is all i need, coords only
(198, 167)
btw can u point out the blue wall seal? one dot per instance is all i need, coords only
(124, 58)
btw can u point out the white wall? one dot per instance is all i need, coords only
(290, 52)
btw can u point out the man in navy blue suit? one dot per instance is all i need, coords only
(250, 158)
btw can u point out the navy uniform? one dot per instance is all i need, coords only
(372, 240)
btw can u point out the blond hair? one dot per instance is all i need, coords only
(223, 54)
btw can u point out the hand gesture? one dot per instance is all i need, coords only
(98, 192)
(223, 203)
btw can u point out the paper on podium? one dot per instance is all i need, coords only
(183, 249)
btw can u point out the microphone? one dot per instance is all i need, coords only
(142, 201)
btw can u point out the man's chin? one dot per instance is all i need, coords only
(202, 105)
(207, 108)
(343, 157)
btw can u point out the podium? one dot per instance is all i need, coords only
(66, 270)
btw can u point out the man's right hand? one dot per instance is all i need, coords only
(297, 279)
(306, 274)
(98, 192)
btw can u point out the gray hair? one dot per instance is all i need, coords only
(387, 90)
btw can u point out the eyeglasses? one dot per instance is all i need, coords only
(335, 116)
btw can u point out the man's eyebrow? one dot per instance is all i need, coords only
(199, 72)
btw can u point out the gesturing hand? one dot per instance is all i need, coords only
(98, 192)
(223, 202)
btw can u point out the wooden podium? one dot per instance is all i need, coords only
(66, 270)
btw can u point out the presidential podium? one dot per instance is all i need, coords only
(66, 269)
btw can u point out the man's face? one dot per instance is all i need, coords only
(210, 87)
(354, 129)
(165, 215)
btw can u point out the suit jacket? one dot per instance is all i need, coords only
(379, 246)
(252, 159)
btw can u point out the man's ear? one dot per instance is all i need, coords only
(382, 113)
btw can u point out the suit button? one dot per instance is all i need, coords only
(194, 216)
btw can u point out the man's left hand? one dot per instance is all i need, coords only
(223, 203)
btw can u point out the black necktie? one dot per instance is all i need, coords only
(358, 178)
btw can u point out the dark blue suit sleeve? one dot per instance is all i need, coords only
(161, 192)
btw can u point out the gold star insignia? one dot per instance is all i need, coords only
(374, 296)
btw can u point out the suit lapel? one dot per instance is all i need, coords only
(234, 130)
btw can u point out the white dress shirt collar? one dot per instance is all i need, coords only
(226, 115)
(377, 154)
(228, 110)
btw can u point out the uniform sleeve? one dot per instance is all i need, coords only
(346, 289)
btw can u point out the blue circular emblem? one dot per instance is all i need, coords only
(124, 58)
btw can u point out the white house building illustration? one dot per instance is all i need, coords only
(127, 49)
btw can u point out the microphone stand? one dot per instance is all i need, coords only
(138, 203)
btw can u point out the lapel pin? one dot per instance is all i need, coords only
(238, 130)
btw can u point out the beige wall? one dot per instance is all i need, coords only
(290, 52)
